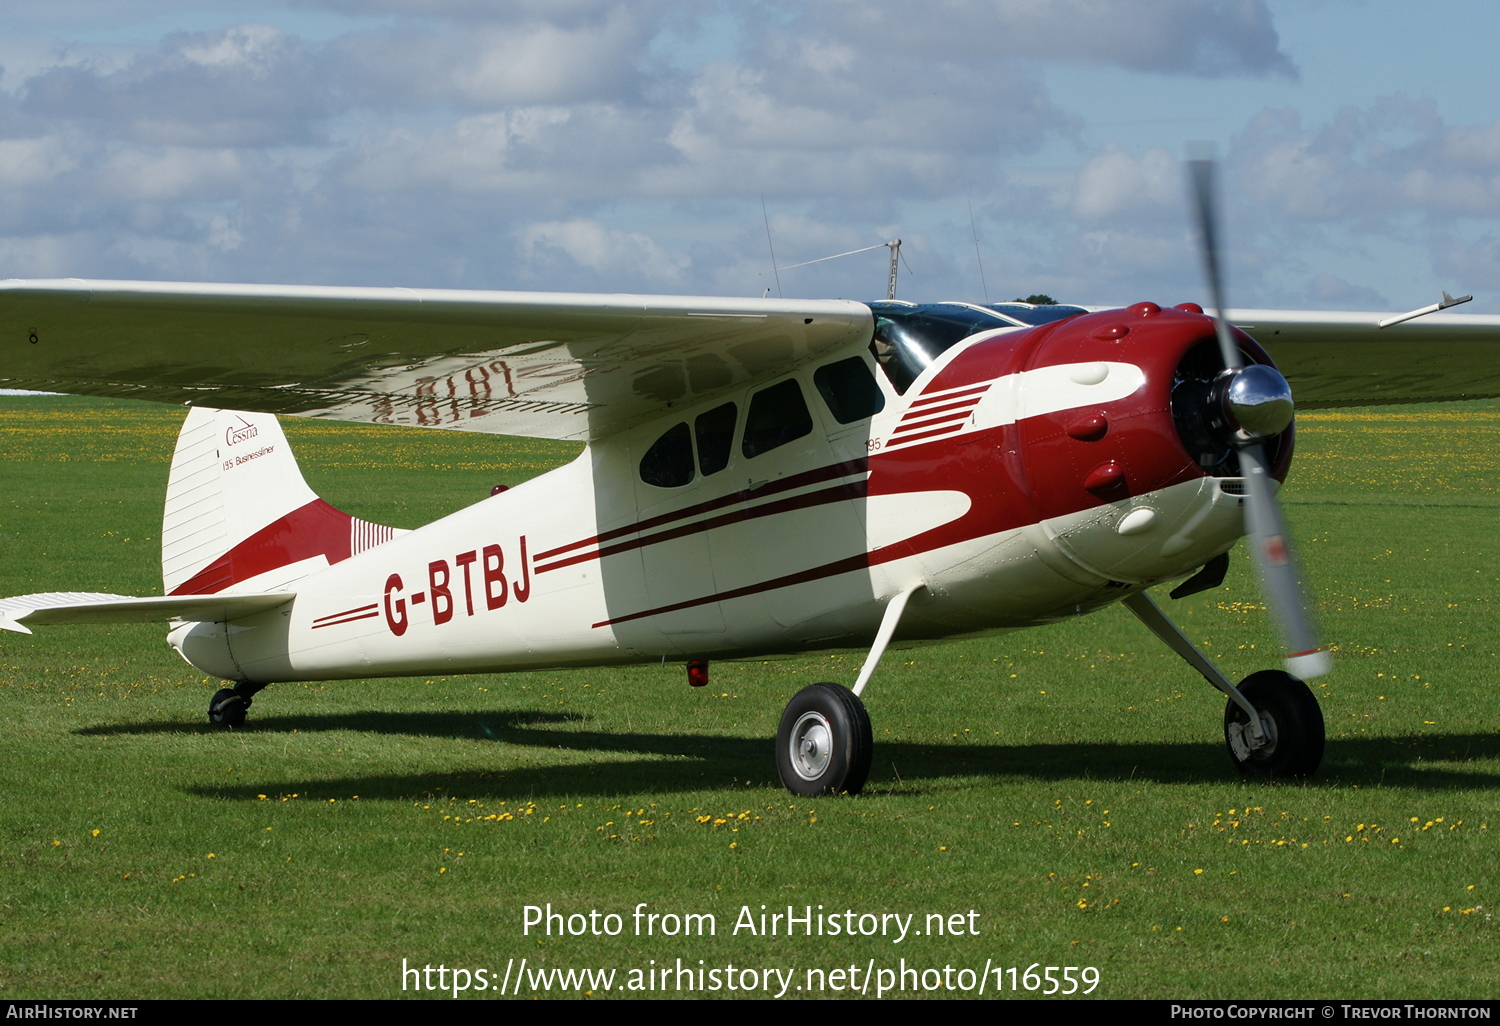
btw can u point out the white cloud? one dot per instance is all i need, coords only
(589, 244)
(1114, 183)
(256, 48)
(1394, 157)
(525, 62)
(29, 162)
(171, 173)
(1211, 38)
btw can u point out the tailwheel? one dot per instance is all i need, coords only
(1291, 720)
(824, 743)
(228, 708)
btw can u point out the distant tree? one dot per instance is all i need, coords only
(1040, 299)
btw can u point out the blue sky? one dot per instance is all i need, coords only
(591, 145)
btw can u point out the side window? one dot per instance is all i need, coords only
(778, 415)
(849, 389)
(715, 431)
(669, 461)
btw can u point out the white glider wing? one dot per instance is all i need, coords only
(545, 365)
(1347, 359)
(572, 366)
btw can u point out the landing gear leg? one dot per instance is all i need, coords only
(229, 705)
(824, 743)
(1272, 723)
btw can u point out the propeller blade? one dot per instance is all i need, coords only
(1270, 547)
(1280, 579)
(1201, 173)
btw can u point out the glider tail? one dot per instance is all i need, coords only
(239, 515)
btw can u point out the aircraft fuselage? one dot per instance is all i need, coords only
(1026, 475)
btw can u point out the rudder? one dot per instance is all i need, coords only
(238, 510)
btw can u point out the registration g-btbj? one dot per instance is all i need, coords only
(759, 476)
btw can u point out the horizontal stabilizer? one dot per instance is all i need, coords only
(54, 607)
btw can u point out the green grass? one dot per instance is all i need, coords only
(1070, 783)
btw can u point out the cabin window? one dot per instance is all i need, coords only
(849, 389)
(715, 431)
(669, 461)
(778, 415)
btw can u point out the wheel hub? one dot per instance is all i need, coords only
(1242, 742)
(811, 745)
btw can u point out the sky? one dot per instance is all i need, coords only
(1015, 146)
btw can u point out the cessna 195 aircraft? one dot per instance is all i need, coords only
(760, 476)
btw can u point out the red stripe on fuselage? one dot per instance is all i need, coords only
(316, 529)
(947, 394)
(347, 612)
(827, 473)
(914, 469)
(940, 432)
(949, 419)
(347, 619)
(932, 411)
(839, 493)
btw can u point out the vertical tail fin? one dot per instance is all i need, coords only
(238, 509)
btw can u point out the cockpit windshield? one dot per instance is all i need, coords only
(1034, 315)
(909, 336)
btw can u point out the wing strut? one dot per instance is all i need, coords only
(1150, 614)
(893, 610)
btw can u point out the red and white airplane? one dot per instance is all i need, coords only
(760, 476)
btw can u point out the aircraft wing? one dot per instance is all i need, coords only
(546, 365)
(55, 607)
(1346, 359)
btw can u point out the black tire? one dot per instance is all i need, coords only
(823, 745)
(228, 708)
(1290, 713)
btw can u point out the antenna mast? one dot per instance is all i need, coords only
(975, 229)
(895, 248)
(767, 218)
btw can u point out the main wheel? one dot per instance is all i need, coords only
(1291, 719)
(824, 742)
(227, 708)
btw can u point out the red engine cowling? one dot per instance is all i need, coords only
(1165, 432)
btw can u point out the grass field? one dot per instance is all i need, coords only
(1069, 785)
